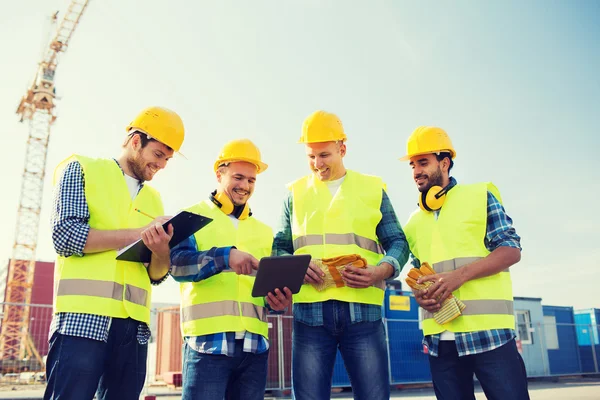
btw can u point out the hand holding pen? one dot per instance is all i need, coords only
(154, 235)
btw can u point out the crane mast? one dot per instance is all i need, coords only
(37, 108)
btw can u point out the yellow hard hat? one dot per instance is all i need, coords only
(241, 150)
(426, 140)
(322, 126)
(161, 124)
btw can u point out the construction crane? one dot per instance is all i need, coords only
(36, 107)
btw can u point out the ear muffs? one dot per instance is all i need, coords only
(433, 199)
(224, 203)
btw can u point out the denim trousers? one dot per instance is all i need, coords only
(361, 344)
(218, 377)
(500, 372)
(77, 367)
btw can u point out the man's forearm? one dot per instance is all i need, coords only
(386, 270)
(101, 240)
(495, 262)
(159, 267)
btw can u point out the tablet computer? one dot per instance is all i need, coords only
(279, 272)
(184, 223)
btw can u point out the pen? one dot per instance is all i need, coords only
(141, 212)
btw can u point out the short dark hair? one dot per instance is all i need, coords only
(144, 139)
(443, 155)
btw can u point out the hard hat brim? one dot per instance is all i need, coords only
(260, 166)
(321, 141)
(409, 156)
(131, 129)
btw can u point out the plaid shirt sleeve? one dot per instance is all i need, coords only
(188, 264)
(70, 215)
(282, 243)
(500, 231)
(392, 237)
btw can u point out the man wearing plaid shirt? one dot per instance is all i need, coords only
(464, 232)
(225, 328)
(99, 333)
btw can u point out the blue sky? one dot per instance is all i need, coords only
(515, 84)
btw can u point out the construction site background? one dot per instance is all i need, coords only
(407, 357)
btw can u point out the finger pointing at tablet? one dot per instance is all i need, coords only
(242, 263)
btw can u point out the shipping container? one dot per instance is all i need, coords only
(530, 320)
(168, 342)
(340, 375)
(279, 368)
(561, 340)
(588, 321)
(41, 293)
(408, 359)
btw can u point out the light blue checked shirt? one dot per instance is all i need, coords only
(499, 232)
(188, 264)
(70, 228)
(392, 240)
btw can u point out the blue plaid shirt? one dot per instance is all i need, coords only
(499, 232)
(190, 265)
(392, 240)
(70, 228)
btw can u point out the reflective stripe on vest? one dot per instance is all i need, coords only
(454, 240)
(451, 265)
(474, 307)
(97, 283)
(480, 307)
(222, 308)
(224, 302)
(329, 226)
(338, 239)
(106, 289)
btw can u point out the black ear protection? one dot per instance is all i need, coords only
(433, 199)
(224, 203)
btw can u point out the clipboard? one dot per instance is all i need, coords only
(279, 272)
(184, 223)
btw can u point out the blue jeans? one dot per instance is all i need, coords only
(217, 376)
(501, 373)
(363, 349)
(78, 367)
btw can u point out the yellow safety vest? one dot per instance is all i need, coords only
(97, 283)
(223, 302)
(454, 240)
(325, 226)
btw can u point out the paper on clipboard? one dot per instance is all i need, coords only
(184, 224)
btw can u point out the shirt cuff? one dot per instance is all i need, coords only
(394, 263)
(225, 265)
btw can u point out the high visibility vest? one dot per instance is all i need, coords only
(97, 283)
(224, 302)
(329, 226)
(454, 240)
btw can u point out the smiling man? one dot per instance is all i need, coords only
(335, 212)
(99, 333)
(464, 233)
(225, 328)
